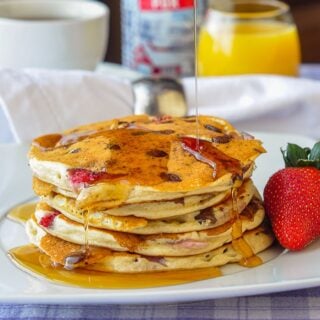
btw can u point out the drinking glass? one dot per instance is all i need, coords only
(248, 37)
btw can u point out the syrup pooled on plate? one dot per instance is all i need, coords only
(22, 212)
(30, 259)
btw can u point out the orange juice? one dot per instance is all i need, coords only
(249, 47)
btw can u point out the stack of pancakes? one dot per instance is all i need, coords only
(141, 194)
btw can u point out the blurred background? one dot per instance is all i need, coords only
(305, 12)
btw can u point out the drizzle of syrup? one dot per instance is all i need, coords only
(75, 137)
(251, 262)
(86, 247)
(30, 259)
(205, 152)
(22, 213)
(249, 259)
(72, 259)
(86, 231)
(195, 24)
(125, 159)
(237, 225)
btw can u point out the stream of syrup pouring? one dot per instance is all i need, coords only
(31, 259)
(195, 40)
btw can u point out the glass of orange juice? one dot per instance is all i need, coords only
(248, 37)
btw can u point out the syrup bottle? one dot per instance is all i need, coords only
(158, 36)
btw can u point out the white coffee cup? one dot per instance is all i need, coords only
(53, 34)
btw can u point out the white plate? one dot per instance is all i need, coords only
(286, 272)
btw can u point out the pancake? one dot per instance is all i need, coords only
(142, 194)
(146, 159)
(173, 244)
(150, 210)
(205, 213)
(42, 188)
(71, 255)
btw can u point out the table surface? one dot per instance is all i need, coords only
(292, 305)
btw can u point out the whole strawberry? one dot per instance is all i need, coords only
(292, 197)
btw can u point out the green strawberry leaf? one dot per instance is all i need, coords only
(315, 152)
(293, 154)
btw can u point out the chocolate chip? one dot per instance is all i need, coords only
(206, 215)
(172, 177)
(222, 139)
(157, 153)
(212, 128)
(113, 146)
(225, 250)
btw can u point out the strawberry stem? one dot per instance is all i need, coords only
(295, 156)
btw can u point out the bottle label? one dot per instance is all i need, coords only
(165, 4)
(158, 36)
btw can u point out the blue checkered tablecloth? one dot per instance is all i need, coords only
(293, 305)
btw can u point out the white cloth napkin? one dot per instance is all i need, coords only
(260, 103)
(39, 102)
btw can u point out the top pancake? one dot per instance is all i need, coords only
(141, 158)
